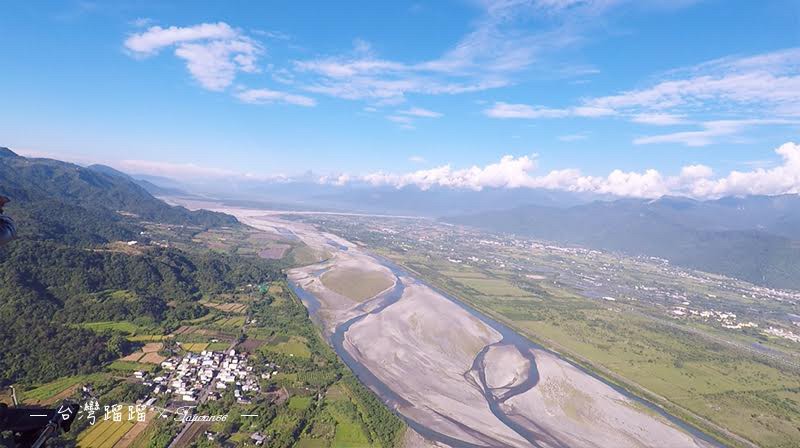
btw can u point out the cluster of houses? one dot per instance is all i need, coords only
(207, 371)
(726, 319)
(783, 333)
(235, 372)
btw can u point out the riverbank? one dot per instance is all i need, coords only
(452, 373)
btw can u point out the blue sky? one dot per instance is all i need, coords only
(414, 92)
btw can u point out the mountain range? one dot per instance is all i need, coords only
(98, 188)
(754, 238)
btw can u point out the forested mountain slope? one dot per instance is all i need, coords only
(34, 180)
(64, 268)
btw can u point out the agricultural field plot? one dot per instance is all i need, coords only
(147, 354)
(299, 403)
(218, 346)
(196, 347)
(128, 366)
(274, 251)
(104, 434)
(230, 307)
(136, 432)
(57, 390)
(201, 319)
(356, 284)
(197, 334)
(312, 443)
(128, 328)
(146, 337)
(243, 242)
(233, 323)
(250, 345)
(133, 357)
(293, 346)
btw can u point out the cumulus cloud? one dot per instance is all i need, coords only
(782, 179)
(265, 96)
(697, 181)
(156, 37)
(213, 52)
(509, 172)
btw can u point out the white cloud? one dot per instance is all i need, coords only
(710, 133)
(730, 94)
(402, 119)
(509, 172)
(507, 110)
(420, 112)
(782, 179)
(417, 159)
(591, 111)
(336, 180)
(156, 38)
(695, 181)
(764, 84)
(757, 88)
(500, 45)
(658, 119)
(214, 64)
(265, 96)
(696, 172)
(213, 52)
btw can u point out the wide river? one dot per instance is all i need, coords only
(457, 377)
(509, 337)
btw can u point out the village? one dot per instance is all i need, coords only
(197, 377)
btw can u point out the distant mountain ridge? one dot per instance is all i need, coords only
(35, 180)
(755, 238)
(150, 187)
